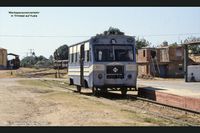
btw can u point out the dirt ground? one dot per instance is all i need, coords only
(49, 101)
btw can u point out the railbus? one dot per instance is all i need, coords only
(104, 63)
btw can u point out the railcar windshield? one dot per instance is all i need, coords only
(113, 53)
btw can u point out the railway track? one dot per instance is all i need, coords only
(166, 107)
(130, 97)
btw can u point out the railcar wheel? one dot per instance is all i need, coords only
(136, 88)
(103, 90)
(124, 91)
(95, 91)
(78, 88)
(71, 82)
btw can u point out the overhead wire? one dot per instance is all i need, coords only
(76, 36)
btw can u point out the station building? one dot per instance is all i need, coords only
(3, 58)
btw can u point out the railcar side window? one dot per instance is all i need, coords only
(69, 58)
(76, 57)
(72, 57)
(88, 56)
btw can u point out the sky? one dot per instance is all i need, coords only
(56, 26)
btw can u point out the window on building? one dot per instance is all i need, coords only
(180, 67)
(143, 53)
(153, 53)
(178, 52)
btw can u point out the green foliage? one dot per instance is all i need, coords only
(165, 43)
(174, 44)
(192, 39)
(51, 58)
(194, 48)
(61, 53)
(113, 31)
(28, 61)
(141, 43)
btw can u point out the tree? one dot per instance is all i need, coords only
(113, 31)
(194, 48)
(61, 53)
(28, 61)
(174, 44)
(141, 43)
(165, 43)
(51, 58)
(192, 39)
(34, 61)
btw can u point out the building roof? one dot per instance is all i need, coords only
(2, 48)
(12, 54)
(147, 48)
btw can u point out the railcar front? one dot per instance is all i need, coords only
(114, 63)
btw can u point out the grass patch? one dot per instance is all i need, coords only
(33, 83)
(157, 121)
(36, 90)
(36, 86)
(130, 111)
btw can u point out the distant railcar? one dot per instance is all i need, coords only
(61, 64)
(13, 63)
(103, 63)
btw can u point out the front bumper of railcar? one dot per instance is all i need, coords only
(115, 75)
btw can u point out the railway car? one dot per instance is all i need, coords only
(13, 63)
(61, 64)
(104, 63)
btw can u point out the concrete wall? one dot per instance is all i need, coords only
(176, 53)
(164, 55)
(144, 55)
(3, 58)
(195, 69)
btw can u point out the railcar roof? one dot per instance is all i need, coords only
(79, 43)
(97, 37)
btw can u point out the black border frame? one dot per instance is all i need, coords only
(99, 3)
(105, 3)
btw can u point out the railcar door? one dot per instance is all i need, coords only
(82, 65)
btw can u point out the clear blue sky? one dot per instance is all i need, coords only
(147, 22)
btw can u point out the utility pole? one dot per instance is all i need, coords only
(58, 66)
(57, 72)
(31, 52)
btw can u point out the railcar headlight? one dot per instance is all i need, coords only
(100, 76)
(129, 76)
